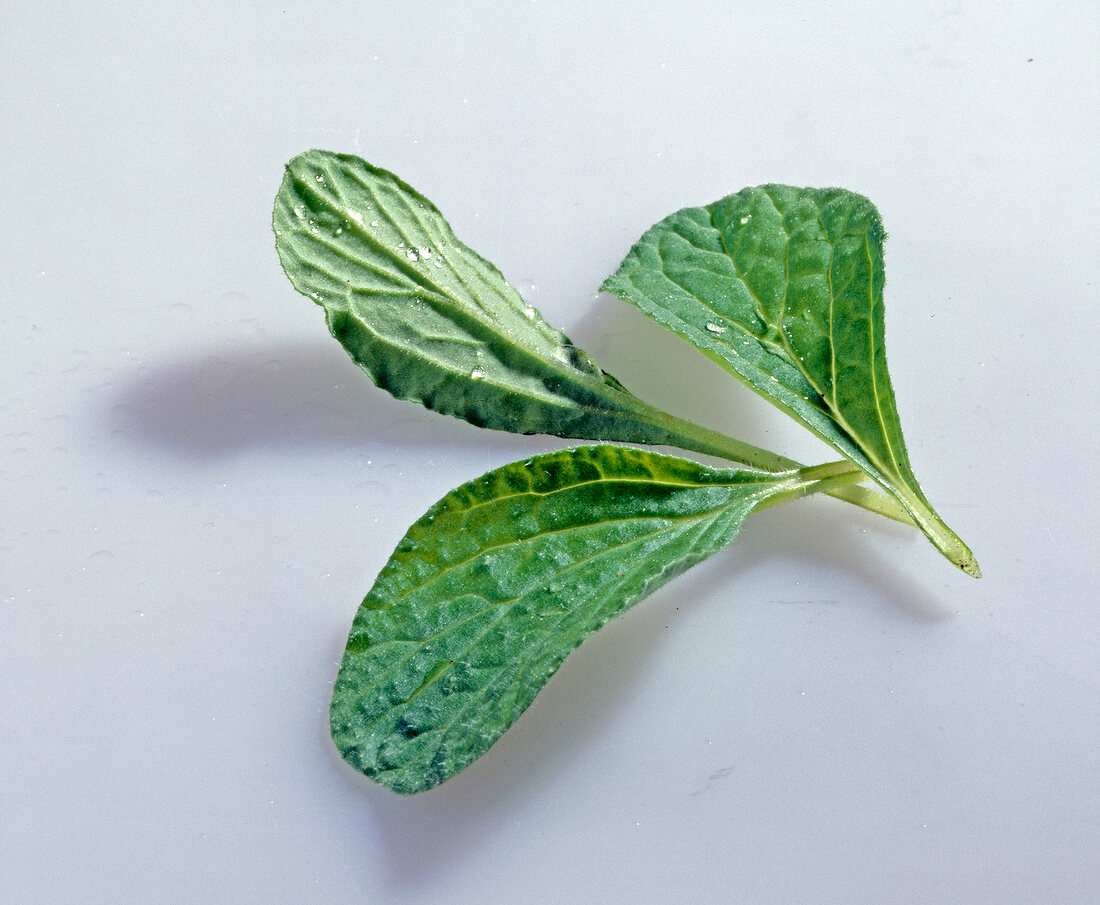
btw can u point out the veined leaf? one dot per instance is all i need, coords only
(782, 287)
(491, 589)
(430, 320)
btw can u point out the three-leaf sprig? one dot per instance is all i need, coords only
(492, 588)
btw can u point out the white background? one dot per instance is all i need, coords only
(198, 486)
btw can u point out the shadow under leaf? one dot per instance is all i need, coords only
(305, 396)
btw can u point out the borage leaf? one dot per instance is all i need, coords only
(432, 321)
(782, 287)
(428, 318)
(502, 578)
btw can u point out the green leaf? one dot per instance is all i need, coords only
(491, 589)
(430, 320)
(782, 287)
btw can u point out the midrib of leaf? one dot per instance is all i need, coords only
(711, 513)
(876, 394)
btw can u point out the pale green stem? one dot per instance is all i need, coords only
(687, 435)
(825, 478)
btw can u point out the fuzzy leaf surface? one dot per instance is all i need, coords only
(783, 288)
(490, 590)
(429, 319)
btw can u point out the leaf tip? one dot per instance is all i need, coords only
(971, 567)
(958, 553)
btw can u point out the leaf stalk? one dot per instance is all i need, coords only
(690, 436)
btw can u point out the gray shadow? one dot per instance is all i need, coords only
(306, 396)
(833, 535)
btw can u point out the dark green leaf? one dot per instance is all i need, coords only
(501, 579)
(782, 287)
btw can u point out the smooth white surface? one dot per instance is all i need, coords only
(198, 486)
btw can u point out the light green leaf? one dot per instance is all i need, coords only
(782, 287)
(430, 320)
(491, 589)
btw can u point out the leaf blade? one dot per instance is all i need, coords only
(783, 288)
(500, 580)
(428, 318)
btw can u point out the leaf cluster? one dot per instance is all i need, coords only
(490, 590)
